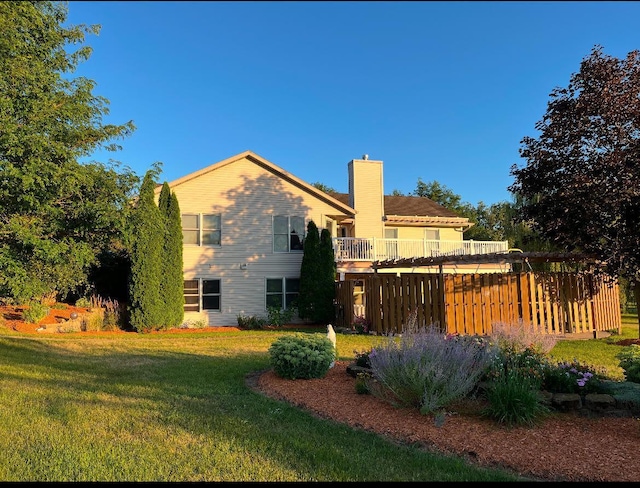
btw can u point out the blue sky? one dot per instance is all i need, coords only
(441, 91)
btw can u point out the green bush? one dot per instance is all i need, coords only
(362, 359)
(528, 361)
(250, 321)
(630, 362)
(514, 399)
(83, 302)
(278, 317)
(301, 356)
(427, 369)
(35, 312)
(571, 377)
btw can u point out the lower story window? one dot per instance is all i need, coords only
(201, 294)
(282, 293)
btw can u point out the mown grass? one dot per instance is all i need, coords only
(176, 407)
(599, 352)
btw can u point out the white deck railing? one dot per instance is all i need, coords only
(376, 249)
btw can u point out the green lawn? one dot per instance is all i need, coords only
(175, 407)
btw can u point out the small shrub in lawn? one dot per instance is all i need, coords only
(35, 312)
(302, 356)
(426, 368)
(629, 358)
(514, 399)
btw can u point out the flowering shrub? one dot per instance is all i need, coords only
(361, 324)
(425, 369)
(528, 362)
(521, 336)
(571, 377)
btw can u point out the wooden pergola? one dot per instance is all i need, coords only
(510, 257)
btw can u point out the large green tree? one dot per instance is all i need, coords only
(580, 181)
(146, 309)
(172, 287)
(56, 214)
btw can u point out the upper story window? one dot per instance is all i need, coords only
(201, 229)
(288, 233)
(432, 234)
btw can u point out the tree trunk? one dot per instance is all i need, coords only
(636, 294)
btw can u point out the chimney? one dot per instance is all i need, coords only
(366, 195)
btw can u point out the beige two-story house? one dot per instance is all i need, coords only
(244, 221)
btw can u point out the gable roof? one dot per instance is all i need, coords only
(340, 205)
(414, 210)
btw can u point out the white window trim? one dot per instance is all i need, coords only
(302, 236)
(283, 279)
(201, 294)
(200, 228)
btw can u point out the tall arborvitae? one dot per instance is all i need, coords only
(325, 311)
(309, 273)
(164, 199)
(172, 292)
(145, 305)
(163, 204)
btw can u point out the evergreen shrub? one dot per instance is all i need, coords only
(302, 356)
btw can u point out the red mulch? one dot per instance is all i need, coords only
(13, 320)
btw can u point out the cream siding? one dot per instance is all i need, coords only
(248, 192)
(366, 195)
(247, 196)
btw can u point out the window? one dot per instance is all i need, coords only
(282, 293)
(432, 234)
(288, 233)
(191, 229)
(201, 228)
(191, 296)
(432, 248)
(200, 294)
(391, 242)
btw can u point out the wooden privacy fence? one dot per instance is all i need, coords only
(553, 303)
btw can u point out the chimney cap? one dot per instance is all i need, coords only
(365, 156)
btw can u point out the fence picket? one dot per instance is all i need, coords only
(554, 303)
